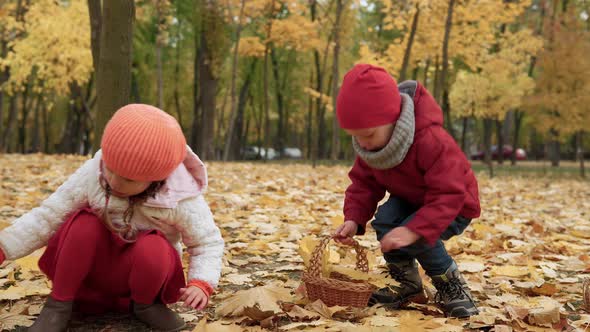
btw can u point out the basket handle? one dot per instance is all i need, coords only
(315, 263)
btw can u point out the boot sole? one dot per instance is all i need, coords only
(416, 298)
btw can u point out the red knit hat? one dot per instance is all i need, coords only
(368, 98)
(143, 143)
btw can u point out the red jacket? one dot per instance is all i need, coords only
(434, 176)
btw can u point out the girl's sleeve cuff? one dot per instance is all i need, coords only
(203, 285)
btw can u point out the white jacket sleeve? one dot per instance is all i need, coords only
(202, 238)
(32, 230)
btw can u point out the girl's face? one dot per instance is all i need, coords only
(123, 187)
(372, 139)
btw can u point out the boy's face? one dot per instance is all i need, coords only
(372, 139)
(123, 187)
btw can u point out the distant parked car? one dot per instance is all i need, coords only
(506, 152)
(293, 153)
(255, 152)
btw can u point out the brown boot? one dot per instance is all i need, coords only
(158, 316)
(54, 316)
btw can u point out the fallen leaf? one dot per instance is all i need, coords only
(471, 267)
(510, 271)
(13, 293)
(265, 298)
(297, 313)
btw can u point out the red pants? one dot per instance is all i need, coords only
(97, 270)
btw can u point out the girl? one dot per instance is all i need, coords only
(113, 229)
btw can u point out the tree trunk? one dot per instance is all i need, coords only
(177, 80)
(114, 68)
(464, 136)
(309, 125)
(95, 12)
(46, 136)
(22, 130)
(436, 76)
(208, 87)
(426, 69)
(194, 139)
(518, 115)
(580, 151)
(554, 149)
(176, 92)
(3, 78)
(445, 52)
(319, 80)
(446, 106)
(442, 84)
(12, 119)
(266, 97)
(487, 138)
(280, 141)
(323, 130)
(35, 142)
(234, 74)
(238, 137)
(500, 137)
(160, 76)
(335, 79)
(407, 53)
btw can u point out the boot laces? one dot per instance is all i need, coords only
(451, 290)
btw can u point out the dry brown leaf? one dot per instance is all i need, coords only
(322, 309)
(546, 289)
(265, 298)
(12, 316)
(298, 314)
(382, 321)
(13, 293)
(510, 271)
(546, 313)
(203, 326)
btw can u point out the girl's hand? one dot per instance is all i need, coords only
(398, 237)
(344, 233)
(194, 297)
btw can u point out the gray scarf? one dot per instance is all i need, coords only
(402, 138)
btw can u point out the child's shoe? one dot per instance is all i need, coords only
(158, 316)
(409, 290)
(54, 316)
(453, 294)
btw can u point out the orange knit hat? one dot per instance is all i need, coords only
(143, 143)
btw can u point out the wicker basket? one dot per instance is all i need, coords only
(337, 289)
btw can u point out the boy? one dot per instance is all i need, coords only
(403, 149)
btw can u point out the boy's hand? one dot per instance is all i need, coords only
(194, 297)
(344, 233)
(398, 237)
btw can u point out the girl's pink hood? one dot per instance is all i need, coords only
(188, 180)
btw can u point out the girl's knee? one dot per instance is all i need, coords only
(152, 246)
(87, 226)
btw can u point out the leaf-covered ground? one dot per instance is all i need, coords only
(525, 258)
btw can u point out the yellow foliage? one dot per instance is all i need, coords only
(296, 32)
(501, 81)
(325, 99)
(56, 48)
(560, 103)
(251, 46)
(475, 24)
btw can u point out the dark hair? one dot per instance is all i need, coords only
(125, 232)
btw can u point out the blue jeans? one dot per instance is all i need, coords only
(434, 259)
